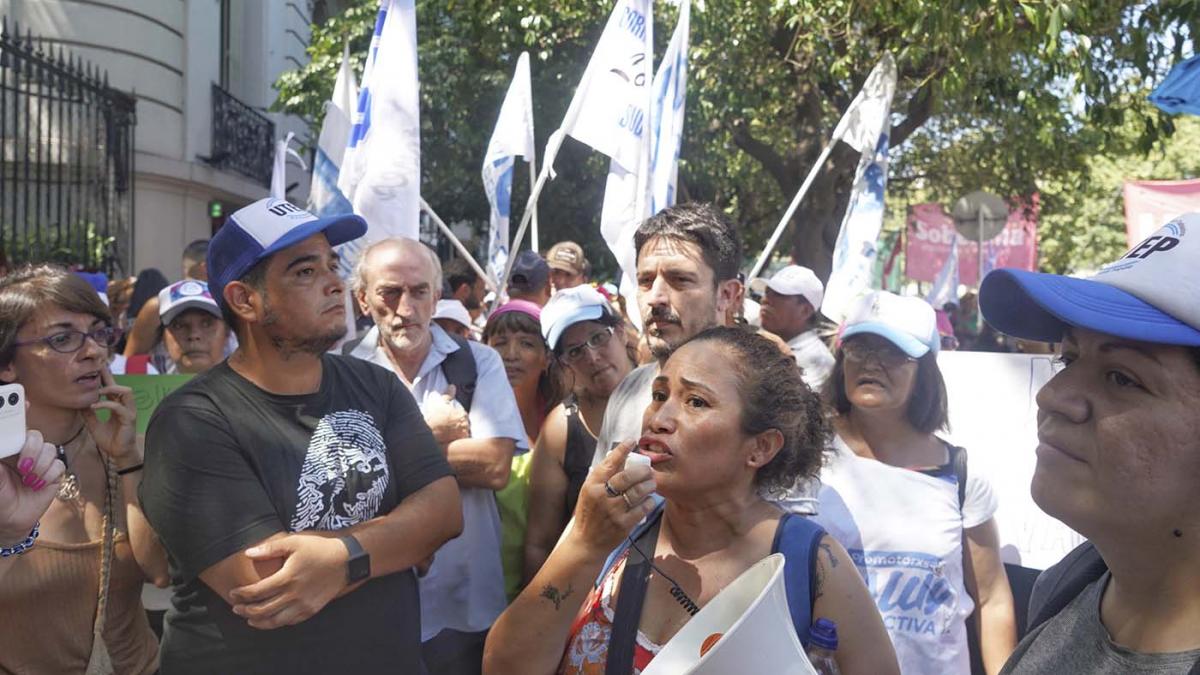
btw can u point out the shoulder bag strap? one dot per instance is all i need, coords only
(798, 539)
(630, 598)
(460, 371)
(99, 662)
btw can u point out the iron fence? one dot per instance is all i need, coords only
(243, 139)
(66, 159)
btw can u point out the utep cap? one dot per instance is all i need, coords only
(567, 256)
(1150, 294)
(453, 310)
(793, 280)
(907, 322)
(529, 272)
(267, 226)
(182, 295)
(569, 307)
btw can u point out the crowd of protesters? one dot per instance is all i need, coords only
(376, 466)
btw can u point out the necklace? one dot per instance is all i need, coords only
(69, 490)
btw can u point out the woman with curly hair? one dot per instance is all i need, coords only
(729, 414)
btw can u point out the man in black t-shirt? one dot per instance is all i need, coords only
(293, 490)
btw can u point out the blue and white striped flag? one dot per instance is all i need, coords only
(865, 125)
(381, 171)
(512, 136)
(945, 285)
(670, 98)
(324, 197)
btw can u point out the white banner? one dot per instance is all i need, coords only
(512, 136)
(324, 197)
(866, 126)
(670, 99)
(993, 414)
(381, 171)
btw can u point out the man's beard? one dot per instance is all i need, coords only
(660, 346)
(290, 345)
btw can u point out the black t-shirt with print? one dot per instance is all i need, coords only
(228, 465)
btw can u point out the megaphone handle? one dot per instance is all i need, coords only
(631, 595)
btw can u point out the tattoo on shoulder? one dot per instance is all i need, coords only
(818, 582)
(556, 596)
(824, 546)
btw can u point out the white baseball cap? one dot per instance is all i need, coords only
(569, 307)
(907, 322)
(1149, 294)
(793, 280)
(453, 310)
(184, 295)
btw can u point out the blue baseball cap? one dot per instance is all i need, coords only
(267, 226)
(907, 322)
(530, 273)
(1149, 294)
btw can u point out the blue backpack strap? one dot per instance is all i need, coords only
(797, 538)
(637, 532)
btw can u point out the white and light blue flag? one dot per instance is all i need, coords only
(381, 170)
(512, 136)
(866, 126)
(324, 197)
(945, 284)
(670, 98)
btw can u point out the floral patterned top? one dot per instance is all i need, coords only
(587, 643)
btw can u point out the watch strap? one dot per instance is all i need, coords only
(358, 565)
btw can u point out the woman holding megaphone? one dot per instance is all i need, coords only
(729, 416)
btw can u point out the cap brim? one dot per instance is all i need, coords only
(169, 315)
(907, 343)
(1037, 306)
(589, 313)
(338, 230)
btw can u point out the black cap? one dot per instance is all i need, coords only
(530, 273)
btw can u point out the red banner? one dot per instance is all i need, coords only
(931, 229)
(1150, 204)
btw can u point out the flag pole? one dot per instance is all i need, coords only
(458, 245)
(552, 147)
(791, 210)
(533, 172)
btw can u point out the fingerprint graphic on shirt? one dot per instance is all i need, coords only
(345, 473)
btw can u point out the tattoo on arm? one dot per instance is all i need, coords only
(819, 570)
(556, 596)
(824, 546)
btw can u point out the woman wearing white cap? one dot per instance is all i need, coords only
(192, 336)
(916, 523)
(1117, 458)
(589, 340)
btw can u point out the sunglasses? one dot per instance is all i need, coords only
(885, 354)
(71, 341)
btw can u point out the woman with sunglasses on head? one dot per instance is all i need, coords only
(588, 338)
(916, 523)
(72, 604)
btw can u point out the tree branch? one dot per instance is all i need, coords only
(772, 161)
(920, 107)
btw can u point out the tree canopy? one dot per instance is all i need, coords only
(1014, 97)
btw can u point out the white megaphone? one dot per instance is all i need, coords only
(746, 628)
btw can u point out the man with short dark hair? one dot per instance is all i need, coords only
(294, 490)
(144, 333)
(530, 279)
(687, 266)
(463, 284)
(790, 302)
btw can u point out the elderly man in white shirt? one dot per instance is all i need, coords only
(398, 283)
(790, 300)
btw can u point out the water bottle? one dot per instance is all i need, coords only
(823, 642)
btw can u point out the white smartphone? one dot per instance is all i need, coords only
(12, 419)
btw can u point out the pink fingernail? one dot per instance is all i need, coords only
(30, 479)
(41, 483)
(24, 466)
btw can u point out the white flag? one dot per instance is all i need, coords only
(670, 97)
(945, 285)
(283, 150)
(324, 197)
(381, 171)
(513, 136)
(866, 126)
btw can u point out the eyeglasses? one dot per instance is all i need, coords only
(886, 355)
(595, 343)
(71, 341)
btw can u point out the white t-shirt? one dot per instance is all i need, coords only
(904, 531)
(813, 357)
(464, 589)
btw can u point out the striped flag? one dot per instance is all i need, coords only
(512, 136)
(324, 197)
(670, 98)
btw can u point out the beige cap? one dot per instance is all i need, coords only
(568, 257)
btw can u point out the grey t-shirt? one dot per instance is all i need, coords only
(1075, 641)
(623, 414)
